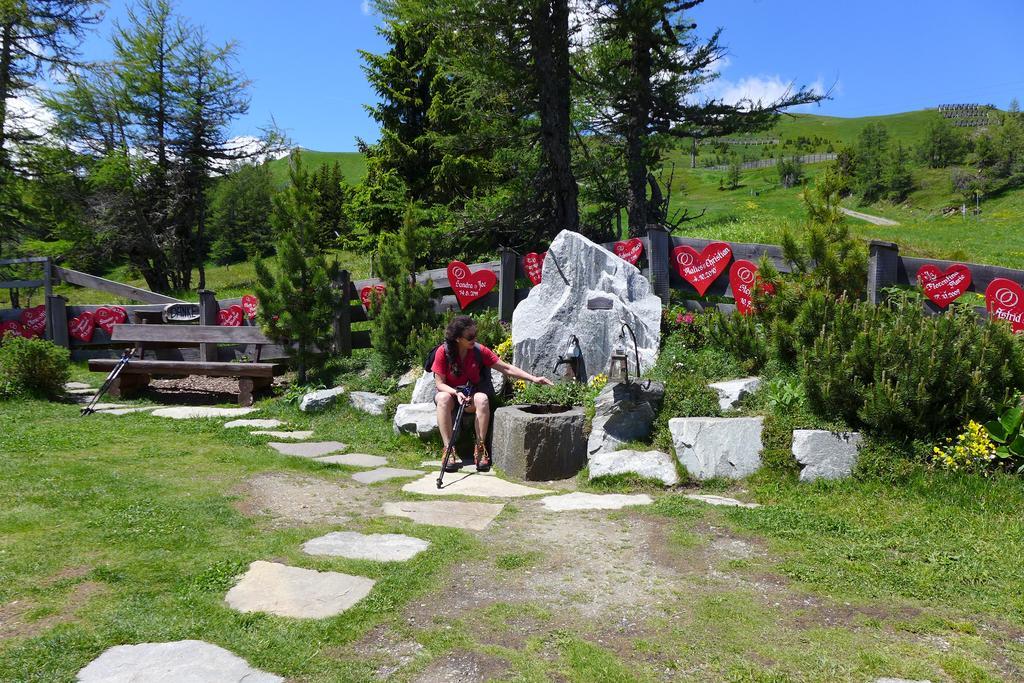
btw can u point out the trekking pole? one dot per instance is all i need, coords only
(456, 428)
(114, 374)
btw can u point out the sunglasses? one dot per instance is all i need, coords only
(470, 338)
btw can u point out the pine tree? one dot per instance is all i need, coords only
(899, 182)
(297, 302)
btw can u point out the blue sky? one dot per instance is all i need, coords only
(881, 56)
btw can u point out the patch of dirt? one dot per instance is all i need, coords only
(13, 615)
(295, 500)
(385, 646)
(459, 667)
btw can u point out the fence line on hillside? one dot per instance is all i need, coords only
(768, 163)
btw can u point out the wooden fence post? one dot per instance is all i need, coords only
(47, 278)
(883, 266)
(507, 284)
(208, 310)
(343, 316)
(659, 259)
(57, 320)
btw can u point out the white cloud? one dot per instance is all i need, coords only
(366, 7)
(756, 89)
(29, 114)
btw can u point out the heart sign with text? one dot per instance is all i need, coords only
(231, 316)
(34, 320)
(702, 268)
(82, 326)
(250, 305)
(13, 328)
(533, 264)
(1004, 300)
(108, 316)
(944, 288)
(743, 279)
(370, 296)
(467, 285)
(629, 250)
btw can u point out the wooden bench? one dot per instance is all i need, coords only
(252, 376)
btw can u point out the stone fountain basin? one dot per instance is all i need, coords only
(539, 442)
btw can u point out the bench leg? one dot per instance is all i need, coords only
(127, 385)
(247, 388)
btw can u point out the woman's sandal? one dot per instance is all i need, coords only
(454, 462)
(481, 457)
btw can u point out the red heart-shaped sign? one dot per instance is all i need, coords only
(701, 269)
(630, 250)
(13, 328)
(467, 285)
(250, 305)
(82, 326)
(743, 279)
(106, 317)
(533, 264)
(944, 288)
(34, 320)
(1004, 300)
(231, 316)
(371, 295)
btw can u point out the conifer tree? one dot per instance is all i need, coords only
(297, 301)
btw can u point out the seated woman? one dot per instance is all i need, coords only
(459, 361)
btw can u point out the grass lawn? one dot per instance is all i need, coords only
(118, 530)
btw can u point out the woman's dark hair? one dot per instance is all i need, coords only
(456, 328)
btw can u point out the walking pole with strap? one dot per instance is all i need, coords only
(114, 374)
(449, 451)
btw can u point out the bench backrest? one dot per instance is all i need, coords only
(188, 334)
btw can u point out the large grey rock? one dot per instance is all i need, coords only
(307, 449)
(368, 402)
(594, 501)
(824, 454)
(318, 400)
(419, 419)
(616, 291)
(731, 391)
(356, 546)
(182, 661)
(426, 387)
(294, 592)
(529, 442)
(449, 513)
(711, 447)
(650, 464)
(623, 413)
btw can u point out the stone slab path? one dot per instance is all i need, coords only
(194, 412)
(125, 411)
(76, 385)
(470, 484)
(354, 460)
(384, 474)
(255, 424)
(282, 435)
(722, 501)
(449, 513)
(295, 592)
(182, 661)
(594, 501)
(308, 449)
(356, 546)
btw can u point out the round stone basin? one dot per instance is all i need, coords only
(539, 442)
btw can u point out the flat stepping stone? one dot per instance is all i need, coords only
(721, 500)
(308, 449)
(125, 411)
(182, 661)
(594, 501)
(449, 513)
(109, 406)
(436, 465)
(354, 460)
(81, 391)
(470, 484)
(356, 546)
(195, 412)
(70, 386)
(295, 592)
(282, 435)
(255, 424)
(383, 474)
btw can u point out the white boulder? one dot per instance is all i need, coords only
(416, 418)
(731, 391)
(710, 447)
(586, 291)
(824, 454)
(318, 400)
(650, 464)
(623, 413)
(368, 402)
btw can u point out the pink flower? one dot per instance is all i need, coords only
(679, 318)
(688, 318)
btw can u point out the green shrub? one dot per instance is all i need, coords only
(895, 371)
(32, 368)
(686, 395)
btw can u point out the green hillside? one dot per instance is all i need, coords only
(353, 165)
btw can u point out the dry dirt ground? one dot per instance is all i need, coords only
(644, 587)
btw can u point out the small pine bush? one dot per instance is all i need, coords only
(32, 368)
